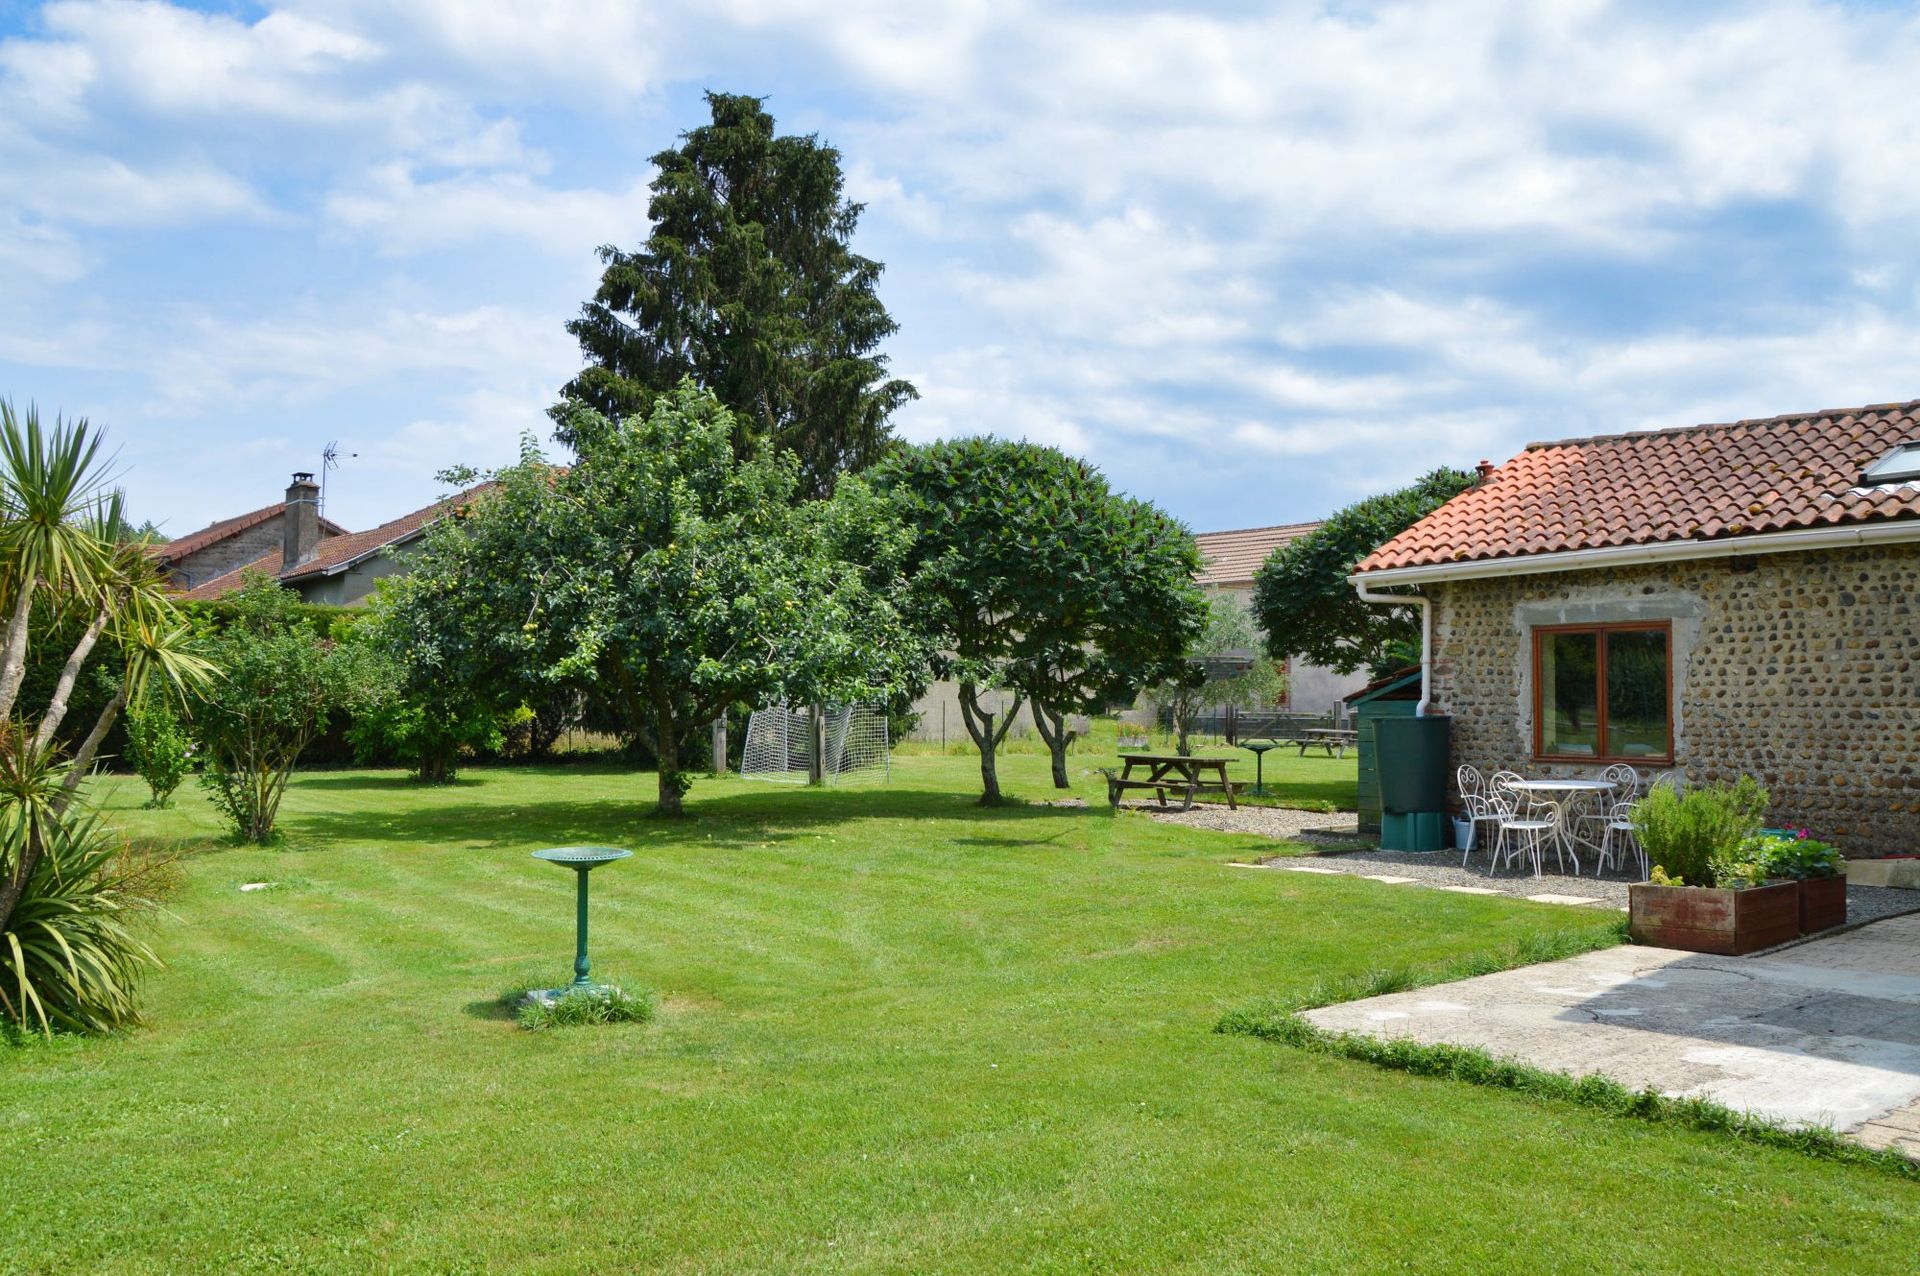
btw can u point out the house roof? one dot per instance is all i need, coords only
(1233, 557)
(174, 550)
(1698, 483)
(338, 553)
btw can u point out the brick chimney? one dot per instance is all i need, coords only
(300, 530)
(1484, 470)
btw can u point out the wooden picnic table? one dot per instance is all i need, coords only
(1335, 740)
(1164, 771)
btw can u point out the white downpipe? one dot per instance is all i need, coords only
(1425, 604)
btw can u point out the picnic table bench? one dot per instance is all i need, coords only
(1168, 771)
(1335, 740)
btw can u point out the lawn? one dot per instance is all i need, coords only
(897, 1033)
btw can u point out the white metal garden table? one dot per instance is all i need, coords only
(1564, 795)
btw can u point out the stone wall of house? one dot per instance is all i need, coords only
(223, 556)
(1800, 669)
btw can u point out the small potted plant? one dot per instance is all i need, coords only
(1817, 867)
(1707, 893)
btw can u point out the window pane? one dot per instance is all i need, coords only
(1637, 694)
(1569, 693)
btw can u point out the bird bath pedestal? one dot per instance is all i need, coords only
(1259, 749)
(582, 860)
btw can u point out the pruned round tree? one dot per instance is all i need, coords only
(671, 576)
(1029, 575)
(749, 284)
(1301, 596)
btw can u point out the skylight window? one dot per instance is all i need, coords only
(1902, 465)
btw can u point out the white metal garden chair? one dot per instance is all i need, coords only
(1597, 818)
(1619, 832)
(1479, 809)
(1525, 826)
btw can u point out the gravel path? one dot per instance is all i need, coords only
(1267, 821)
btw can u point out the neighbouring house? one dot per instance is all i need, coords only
(1713, 600)
(214, 551)
(322, 562)
(1231, 559)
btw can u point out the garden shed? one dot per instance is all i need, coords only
(1394, 696)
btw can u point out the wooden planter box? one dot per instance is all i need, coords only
(1823, 904)
(1704, 919)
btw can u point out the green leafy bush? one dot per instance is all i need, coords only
(585, 1006)
(1682, 833)
(282, 680)
(68, 959)
(159, 748)
(1800, 857)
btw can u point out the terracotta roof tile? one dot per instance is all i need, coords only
(1698, 482)
(1233, 557)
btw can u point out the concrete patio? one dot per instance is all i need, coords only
(1826, 1032)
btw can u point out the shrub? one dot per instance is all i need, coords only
(282, 682)
(584, 1006)
(159, 748)
(1683, 832)
(1800, 857)
(67, 957)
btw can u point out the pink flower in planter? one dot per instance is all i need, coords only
(1801, 835)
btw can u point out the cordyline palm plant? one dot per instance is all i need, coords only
(66, 958)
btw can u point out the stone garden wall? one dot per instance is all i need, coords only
(1800, 669)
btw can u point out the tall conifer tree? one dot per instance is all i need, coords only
(748, 284)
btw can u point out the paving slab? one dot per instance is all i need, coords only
(1825, 1033)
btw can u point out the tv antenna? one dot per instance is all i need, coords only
(329, 462)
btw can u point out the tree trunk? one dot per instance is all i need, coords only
(1052, 726)
(986, 737)
(15, 886)
(667, 745)
(63, 689)
(13, 650)
(83, 757)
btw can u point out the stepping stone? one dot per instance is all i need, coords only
(1471, 890)
(1388, 878)
(1308, 868)
(1563, 899)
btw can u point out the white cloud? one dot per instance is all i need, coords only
(407, 215)
(1300, 236)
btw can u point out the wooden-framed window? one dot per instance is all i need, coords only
(1603, 693)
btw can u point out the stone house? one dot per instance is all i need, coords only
(1231, 559)
(232, 543)
(1714, 600)
(322, 562)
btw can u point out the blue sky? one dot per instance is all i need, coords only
(1255, 261)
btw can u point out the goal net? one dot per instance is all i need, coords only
(780, 743)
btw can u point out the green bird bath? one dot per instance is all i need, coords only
(582, 860)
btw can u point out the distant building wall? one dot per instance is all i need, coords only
(225, 555)
(351, 587)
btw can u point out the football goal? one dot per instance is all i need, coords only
(852, 739)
